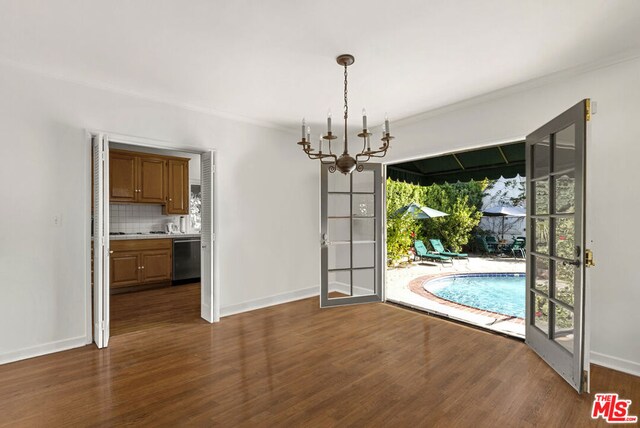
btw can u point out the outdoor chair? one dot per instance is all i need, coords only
(486, 246)
(518, 246)
(440, 249)
(423, 253)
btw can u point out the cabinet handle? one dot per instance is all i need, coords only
(142, 267)
(170, 199)
(138, 267)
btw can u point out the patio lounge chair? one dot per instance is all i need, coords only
(488, 244)
(421, 251)
(439, 248)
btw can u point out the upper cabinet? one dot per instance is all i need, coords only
(178, 191)
(152, 173)
(150, 179)
(123, 174)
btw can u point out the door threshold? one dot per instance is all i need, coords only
(445, 317)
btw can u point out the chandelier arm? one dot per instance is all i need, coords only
(333, 162)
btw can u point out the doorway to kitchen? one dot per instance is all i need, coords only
(152, 236)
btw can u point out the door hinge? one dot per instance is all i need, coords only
(213, 169)
(585, 381)
(588, 258)
(587, 110)
(213, 237)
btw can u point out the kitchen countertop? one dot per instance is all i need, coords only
(153, 236)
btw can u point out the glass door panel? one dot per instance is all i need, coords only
(555, 241)
(352, 238)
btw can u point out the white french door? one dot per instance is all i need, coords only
(352, 249)
(556, 244)
(100, 149)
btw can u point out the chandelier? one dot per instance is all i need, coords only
(345, 163)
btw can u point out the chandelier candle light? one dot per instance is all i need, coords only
(345, 163)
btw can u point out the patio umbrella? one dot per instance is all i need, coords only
(418, 211)
(504, 211)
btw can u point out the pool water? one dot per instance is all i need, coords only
(501, 293)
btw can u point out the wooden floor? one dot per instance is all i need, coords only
(294, 365)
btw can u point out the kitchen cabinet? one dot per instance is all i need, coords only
(125, 268)
(139, 262)
(178, 189)
(149, 179)
(122, 176)
(156, 266)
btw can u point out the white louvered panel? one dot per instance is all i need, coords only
(207, 168)
(98, 240)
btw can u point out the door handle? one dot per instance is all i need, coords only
(323, 240)
(574, 263)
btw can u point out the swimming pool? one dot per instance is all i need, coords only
(494, 292)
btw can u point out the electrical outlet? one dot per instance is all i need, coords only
(57, 220)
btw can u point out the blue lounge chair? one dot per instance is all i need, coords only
(439, 248)
(423, 253)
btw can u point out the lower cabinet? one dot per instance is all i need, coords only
(140, 262)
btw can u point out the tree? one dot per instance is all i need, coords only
(462, 201)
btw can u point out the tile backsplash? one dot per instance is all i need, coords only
(138, 218)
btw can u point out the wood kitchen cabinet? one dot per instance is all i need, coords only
(138, 262)
(125, 268)
(149, 179)
(123, 173)
(178, 188)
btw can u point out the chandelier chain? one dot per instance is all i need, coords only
(346, 105)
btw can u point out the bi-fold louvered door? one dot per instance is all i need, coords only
(208, 309)
(100, 153)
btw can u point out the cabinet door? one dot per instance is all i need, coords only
(151, 179)
(156, 265)
(122, 177)
(125, 269)
(178, 192)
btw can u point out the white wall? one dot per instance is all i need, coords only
(267, 191)
(612, 200)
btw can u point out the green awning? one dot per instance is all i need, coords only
(507, 160)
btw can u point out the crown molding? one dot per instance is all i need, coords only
(613, 60)
(547, 79)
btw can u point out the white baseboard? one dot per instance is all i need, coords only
(46, 348)
(270, 301)
(615, 363)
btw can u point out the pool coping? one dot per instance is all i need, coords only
(416, 286)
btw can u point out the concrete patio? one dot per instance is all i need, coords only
(403, 285)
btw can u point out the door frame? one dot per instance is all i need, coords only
(214, 286)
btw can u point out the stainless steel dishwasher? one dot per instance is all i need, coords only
(186, 260)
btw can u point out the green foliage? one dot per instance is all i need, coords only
(462, 201)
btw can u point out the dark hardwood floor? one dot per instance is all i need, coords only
(294, 365)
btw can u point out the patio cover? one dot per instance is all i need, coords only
(506, 160)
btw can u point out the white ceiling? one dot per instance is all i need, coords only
(273, 61)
